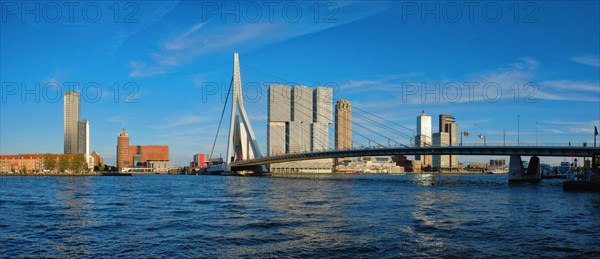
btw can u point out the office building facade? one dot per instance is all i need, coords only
(299, 119)
(423, 138)
(441, 139)
(71, 121)
(447, 125)
(279, 116)
(83, 138)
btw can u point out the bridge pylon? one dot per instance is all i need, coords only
(242, 144)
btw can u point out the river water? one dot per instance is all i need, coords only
(300, 216)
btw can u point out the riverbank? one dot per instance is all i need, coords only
(44, 174)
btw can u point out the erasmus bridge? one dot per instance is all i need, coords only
(243, 153)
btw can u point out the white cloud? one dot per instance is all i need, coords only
(205, 37)
(572, 85)
(180, 121)
(590, 60)
(396, 91)
(577, 127)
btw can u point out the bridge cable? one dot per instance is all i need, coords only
(221, 120)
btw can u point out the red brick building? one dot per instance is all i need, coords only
(130, 156)
(148, 153)
(98, 160)
(31, 163)
(123, 158)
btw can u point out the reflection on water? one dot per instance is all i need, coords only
(298, 216)
(74, 216)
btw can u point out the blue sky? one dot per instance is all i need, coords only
(149, 67)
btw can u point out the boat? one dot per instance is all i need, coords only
(564, 170)
(547, 171)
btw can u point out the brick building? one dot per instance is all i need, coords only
(139, 156)
(32, 163)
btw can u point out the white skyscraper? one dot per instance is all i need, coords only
(279, 116)
(302, 104)
(423, 137)
(299, 119)
(322, 118)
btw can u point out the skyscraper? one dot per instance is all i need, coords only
(321, 118)
(302, 117)
(322, 104)
(448, 125)
(123, 150)
(299, 120)
(441, 139)
(279, 116)
(343, 126)
(71, 118)
(423, 137)
(83, 139)
(302, 106)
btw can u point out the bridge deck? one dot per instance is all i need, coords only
(456, 150)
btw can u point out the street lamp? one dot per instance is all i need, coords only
(481, 136)
(518, 129)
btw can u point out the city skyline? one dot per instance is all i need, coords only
(166, 67)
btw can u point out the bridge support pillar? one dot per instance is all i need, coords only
(518, 173)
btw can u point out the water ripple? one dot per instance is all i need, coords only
(300, 216)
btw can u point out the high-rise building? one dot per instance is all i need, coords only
(123, 159)
(280, 103)
(71, 119)
(343, 125)
(441, 139)
(83, 139)
(321, 118)
(299, 120)
(322, 104)
(279, 116)
(447, 124)
(302, 106)
(299, 137)
(319, 140)
(423, 138)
